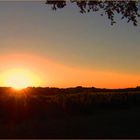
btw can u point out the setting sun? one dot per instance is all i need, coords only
(20, 78)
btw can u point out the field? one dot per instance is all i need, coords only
(69, 113)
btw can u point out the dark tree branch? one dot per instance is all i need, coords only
(128, 9)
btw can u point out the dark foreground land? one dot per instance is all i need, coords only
(70, 113)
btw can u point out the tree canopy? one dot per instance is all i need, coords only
(128, 9)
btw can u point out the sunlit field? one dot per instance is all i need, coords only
(69, 113)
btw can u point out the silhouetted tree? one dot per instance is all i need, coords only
(128, 9)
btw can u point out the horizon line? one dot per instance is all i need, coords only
(72, 87)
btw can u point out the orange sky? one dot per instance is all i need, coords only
(67, 48)
(55, 74)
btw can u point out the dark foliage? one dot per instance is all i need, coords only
(51, 112)
(54, 101)
(128, 9)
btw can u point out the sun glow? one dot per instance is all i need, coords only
(20, 78)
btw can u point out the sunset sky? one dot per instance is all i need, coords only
(65, 48)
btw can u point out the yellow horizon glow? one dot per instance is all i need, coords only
(55, 74)
(20, 78)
